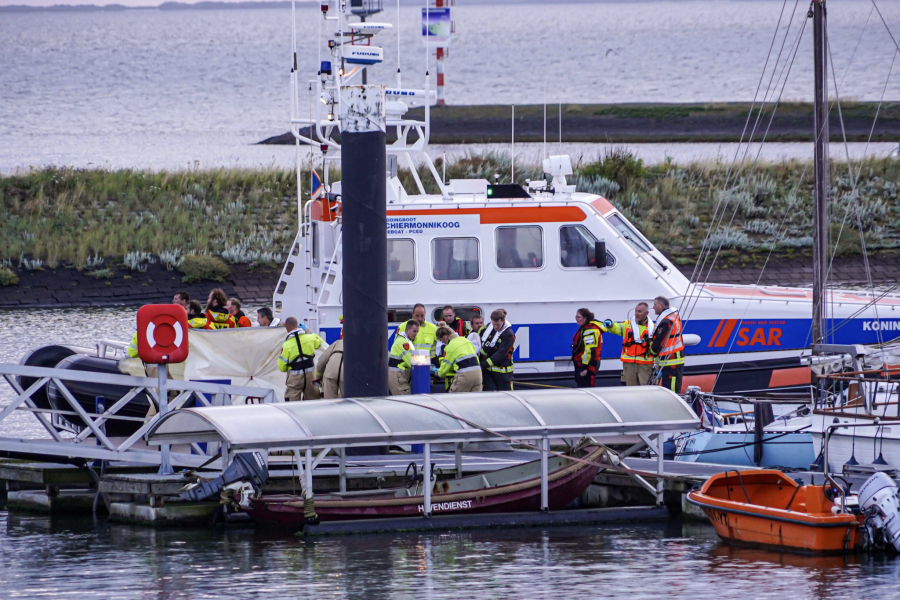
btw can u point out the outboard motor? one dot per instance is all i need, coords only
(878, 501)
(247, 466)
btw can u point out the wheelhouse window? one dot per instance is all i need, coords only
(399, 315)
(636, 239)
(520, 247)
(401, 260)
(577, 248)
(466, 313)
(455, 259)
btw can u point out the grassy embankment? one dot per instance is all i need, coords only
(76, 218)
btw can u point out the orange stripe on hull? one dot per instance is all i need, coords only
(704, 382)
(716, 334)
(730, 324)
(793, 376)
(518, 214)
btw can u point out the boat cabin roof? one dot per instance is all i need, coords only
(432, 418)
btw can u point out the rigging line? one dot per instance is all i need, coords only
(737, 207)
(716, 223)
(893, 39)
(786, 72)
(878, 110)
(758, 279)
(753, 103)
(855, 191)
(865, 149)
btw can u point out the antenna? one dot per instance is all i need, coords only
(399, 86)
(560, 128)
(512, 162)
(545, 119)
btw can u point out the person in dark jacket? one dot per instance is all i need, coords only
(496, 356)
(586, 347)
(667, 345)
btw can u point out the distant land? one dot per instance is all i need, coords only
(652, 123)
(211, 5)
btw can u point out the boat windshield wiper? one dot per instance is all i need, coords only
(659, 262)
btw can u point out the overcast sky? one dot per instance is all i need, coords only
(158, 2)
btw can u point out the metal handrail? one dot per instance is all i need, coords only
(101, 446)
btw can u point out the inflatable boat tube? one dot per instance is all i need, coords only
(48, 356)
(86, 393)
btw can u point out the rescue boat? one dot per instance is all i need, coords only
(769, 509)
(766, 508)
(541, 252)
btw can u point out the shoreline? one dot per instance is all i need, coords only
(647, 123)
(69, 288)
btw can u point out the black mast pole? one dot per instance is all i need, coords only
(820, 198)
(364, 233)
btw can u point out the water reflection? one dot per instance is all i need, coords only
(61, 558)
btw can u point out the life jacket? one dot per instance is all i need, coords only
(218, 318)
(196, 321)
(587, 344)
(672, 352)
(493, 342)
(636, 349)
(458, 326)
(241, 320)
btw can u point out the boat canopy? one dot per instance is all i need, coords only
(528, 415)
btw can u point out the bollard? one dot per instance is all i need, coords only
(420, 375)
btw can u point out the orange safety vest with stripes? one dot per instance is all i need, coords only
(672, 352)
(635, 349)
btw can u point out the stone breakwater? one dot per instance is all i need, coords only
(67, 287)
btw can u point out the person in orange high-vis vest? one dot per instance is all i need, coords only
(637, 364)
(668, 345)
(234, 309)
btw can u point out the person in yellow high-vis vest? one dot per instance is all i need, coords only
(637, 364)
(459, 364)
(298, 353)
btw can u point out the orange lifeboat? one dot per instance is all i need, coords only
(766, 508)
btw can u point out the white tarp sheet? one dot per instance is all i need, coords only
(242, 356)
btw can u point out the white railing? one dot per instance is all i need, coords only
(75, 432)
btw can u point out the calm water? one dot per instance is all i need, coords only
(178, 89)
(68, 558)
(61, 558)
(24, 330)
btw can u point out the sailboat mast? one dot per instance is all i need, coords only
(820, 198)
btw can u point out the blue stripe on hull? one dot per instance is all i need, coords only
(547, 341)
